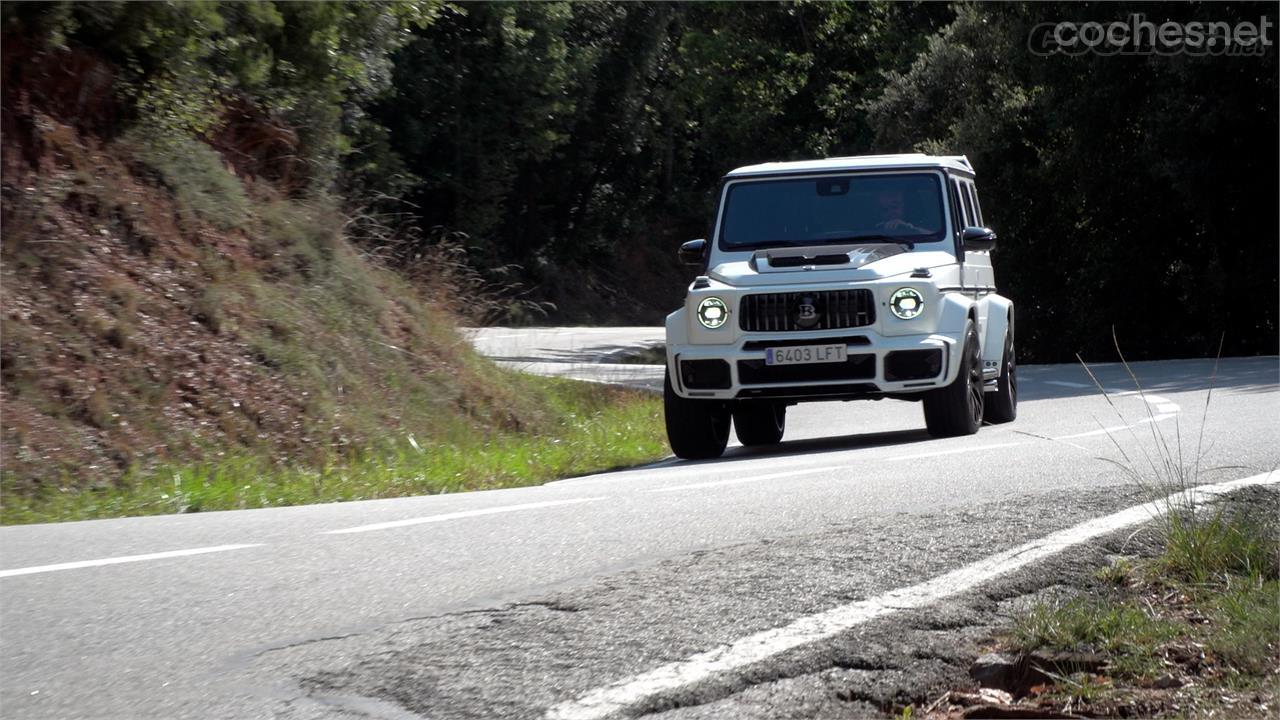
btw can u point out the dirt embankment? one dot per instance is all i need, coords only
(165, 299)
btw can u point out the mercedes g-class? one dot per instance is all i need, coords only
(839, 279)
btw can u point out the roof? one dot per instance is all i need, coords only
(860, 162)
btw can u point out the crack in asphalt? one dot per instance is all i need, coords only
(552, 605)
(303, 643)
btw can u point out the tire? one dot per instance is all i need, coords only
(696, 429)
(957, 408)
(1002, 405)
(760, 423)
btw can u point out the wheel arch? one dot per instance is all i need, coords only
(999, 323)
(677, 335)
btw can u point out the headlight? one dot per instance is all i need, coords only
(906, 303)
(712, 313)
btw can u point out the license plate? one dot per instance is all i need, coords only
(806, 354)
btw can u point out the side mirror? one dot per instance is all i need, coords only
(978, 238)
(691, 252)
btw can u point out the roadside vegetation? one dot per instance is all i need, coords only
(1193, 631)
(195, 319)
(227, 346)
(582, 429)
(1185, 624)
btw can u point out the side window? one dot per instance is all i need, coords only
(967, 199)
(977, 208)
(957, 197)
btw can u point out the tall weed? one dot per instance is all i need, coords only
(1203, 544)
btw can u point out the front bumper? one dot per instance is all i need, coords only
(877, 365)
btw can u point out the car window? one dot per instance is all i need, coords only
(832, 209)
(973, 208)
(977, 207)
(965, 205)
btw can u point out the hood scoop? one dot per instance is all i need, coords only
(825, 257)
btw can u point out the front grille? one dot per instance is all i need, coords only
(857, 367)
(831, 310)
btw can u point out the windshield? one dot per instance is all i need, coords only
(833, 209)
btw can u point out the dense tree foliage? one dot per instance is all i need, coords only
(1134, 191)
(182, 67)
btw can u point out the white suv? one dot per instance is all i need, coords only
(837, 279)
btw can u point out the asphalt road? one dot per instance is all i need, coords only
(510, 603)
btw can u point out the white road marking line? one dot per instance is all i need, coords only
(618, 697)
(458, 515)
(1115, 428)
(1165, 408)
(949, 452)
(1153, 399)
(1099, 431)
(738, 481)
(123, 559)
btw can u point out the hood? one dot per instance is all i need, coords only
(846, 263)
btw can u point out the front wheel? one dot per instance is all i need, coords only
(760, 423)
(696, 429)
(957, 408)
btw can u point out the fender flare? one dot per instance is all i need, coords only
(999, 323)
(677, 335)
(956, 309)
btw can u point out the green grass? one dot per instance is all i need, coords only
(1123, 629)
(1215, 586)
(1239, 628)
(592, 431)
(1246, 627)
(1211, 546)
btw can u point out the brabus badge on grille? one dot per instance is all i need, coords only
(808, 313)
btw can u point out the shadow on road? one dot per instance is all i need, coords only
(814, 446)
(1237, 375)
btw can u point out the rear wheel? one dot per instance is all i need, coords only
(1002, 405)
(957, 408)
(760, 423)
(696, 429)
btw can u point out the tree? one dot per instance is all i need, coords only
(1108, 179)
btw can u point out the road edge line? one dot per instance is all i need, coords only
(481, 512)
(34, 569)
